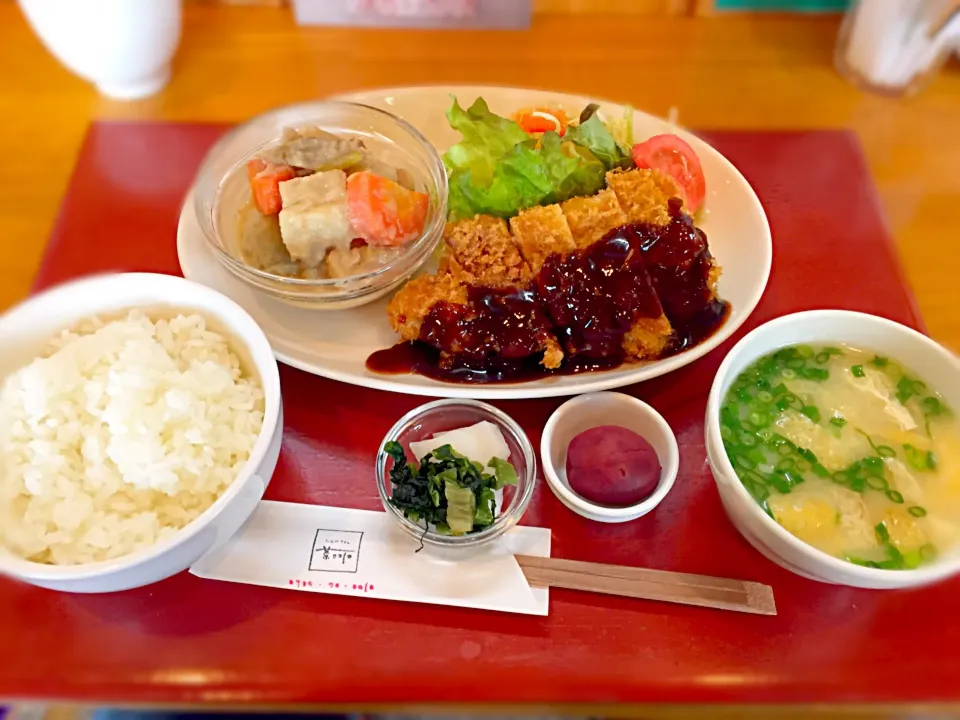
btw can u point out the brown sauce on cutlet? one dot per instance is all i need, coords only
(589, 298)
(678, 260)
(595, 295)
(421, 359)
(507, 323)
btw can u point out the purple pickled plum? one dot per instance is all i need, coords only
(610, 465)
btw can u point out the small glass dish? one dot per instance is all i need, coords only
(222, 191)
(442, 415)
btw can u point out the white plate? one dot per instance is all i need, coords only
(336, 344)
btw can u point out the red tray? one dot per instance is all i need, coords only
(192, 640)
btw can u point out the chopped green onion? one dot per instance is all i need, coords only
(857, 371)
(786, 449)
(812, 412)
(795, 363)
(748, 440)
(879, 362)
(822, 357)
(818, 374)
(884, 451)
(788, 374)
(905, 390)
(920, 460)
(838, 421)
(767, 365)
(805, 351)
(804, 465)
(912, 559)
(873, 463)
(894, 496)
(758, 419)
(917, 511)
(877, 482)
(807, 455)
(759, 491)
(745, 462)
(858, 484)
(782, 389)
(882, 534)
(765, 396)
(931, 406)
(820, 471)
(780, 483)
(841, 477)
(786, 464)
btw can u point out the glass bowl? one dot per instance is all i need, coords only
(222, 190)
(442, 415)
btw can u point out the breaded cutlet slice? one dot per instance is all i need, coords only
(644, 194)
(714, 276)
(540, 232)
(590, 218)
(647, 339)
(484, 253)
(408, 308)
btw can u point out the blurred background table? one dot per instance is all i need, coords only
(719, 71)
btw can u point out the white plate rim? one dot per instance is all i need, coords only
(543, 388)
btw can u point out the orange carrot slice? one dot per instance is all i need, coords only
(265, 179)
(383, 212)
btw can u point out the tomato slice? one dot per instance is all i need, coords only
(383, 212)
(673, 156)
(265, 179)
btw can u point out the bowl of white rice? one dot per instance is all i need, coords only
(140, 422)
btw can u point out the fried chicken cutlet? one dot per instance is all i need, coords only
(482, 253)
(544, 283)
(479, 304)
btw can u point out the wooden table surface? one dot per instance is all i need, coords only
(718, 72)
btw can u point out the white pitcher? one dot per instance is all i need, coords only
(124, 47)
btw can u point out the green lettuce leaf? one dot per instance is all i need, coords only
(504, 473)
(497, 169)
(486, 508)
(595, 136)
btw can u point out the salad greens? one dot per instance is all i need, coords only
(448, 490)
(498, 169)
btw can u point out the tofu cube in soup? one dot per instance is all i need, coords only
(315, 217)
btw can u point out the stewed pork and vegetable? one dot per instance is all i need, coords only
(322, 206)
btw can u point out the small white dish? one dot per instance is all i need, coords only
(934, 364)
(606, 408)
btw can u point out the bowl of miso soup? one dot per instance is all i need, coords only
(834, 440)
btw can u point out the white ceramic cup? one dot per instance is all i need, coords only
(124, 47)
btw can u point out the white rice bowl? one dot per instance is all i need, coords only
(119, 435)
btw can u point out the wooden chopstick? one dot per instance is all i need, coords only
(683, 588)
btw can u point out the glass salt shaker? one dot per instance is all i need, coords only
(893, 47)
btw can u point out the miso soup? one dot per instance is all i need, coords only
(849, 451)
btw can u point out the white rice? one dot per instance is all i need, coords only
(119, 435)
